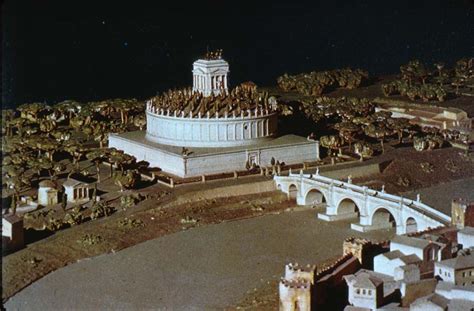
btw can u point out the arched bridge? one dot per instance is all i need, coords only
(375, 209)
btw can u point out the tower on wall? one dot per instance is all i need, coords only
(462, 213)
(210, 74)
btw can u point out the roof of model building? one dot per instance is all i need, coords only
(467, 230)
(12, 218)
(460, 262)
(448, 286)
(47, 184)
(363, 279)
(438, 300)
(409, 267)
(71, 182)
(406, 259)
(416, 242)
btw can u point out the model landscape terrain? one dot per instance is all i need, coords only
(261, 177)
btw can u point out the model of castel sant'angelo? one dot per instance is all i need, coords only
(209, 129)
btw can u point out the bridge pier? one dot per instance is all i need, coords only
(367, 224)
(332, 215)
(300, 200)
(366, 228)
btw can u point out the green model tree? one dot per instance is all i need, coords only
(347, 131)
(96, 156)
(378, 131)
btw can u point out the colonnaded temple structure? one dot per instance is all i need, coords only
(208, 129)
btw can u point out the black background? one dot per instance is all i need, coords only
(56, 50)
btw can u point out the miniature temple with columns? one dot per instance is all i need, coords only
(221, 130)
(210, 74)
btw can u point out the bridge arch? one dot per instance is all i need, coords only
(292, 191)
(314, 196)
(411, 225)
(347, 206)
(382, 218)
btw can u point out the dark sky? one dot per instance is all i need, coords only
(56, 50)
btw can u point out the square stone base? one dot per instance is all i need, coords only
(290, 149)
(367, 228)
(344, 216)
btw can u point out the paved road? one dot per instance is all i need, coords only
(204, 268)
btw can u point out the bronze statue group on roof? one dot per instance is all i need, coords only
(239, 100)
(212, 55)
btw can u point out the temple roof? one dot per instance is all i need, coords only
(71, 182)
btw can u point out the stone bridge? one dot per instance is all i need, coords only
(374, 209)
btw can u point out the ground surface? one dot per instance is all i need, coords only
(440, 196)
(208, 267)
(405, 170)
(149, 219)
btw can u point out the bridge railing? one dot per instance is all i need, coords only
(416, 205)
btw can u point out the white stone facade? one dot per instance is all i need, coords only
(466, 237)
(250, 128)
(12, 232)
(76, 191)
(289, 149)
(47, 193)
(405, 251)
(210, 76)
(364, 290)
(426, 250)
(388, 263)
(458, 270)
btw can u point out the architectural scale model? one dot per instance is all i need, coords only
(209, 129)
(343, 181)
(398, 174)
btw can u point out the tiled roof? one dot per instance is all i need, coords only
(459, 263)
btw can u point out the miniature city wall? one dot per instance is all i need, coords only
(306, 285)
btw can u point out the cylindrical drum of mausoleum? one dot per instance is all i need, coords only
(177, 129)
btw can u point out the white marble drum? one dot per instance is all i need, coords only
(209, 128)
(177, 129)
